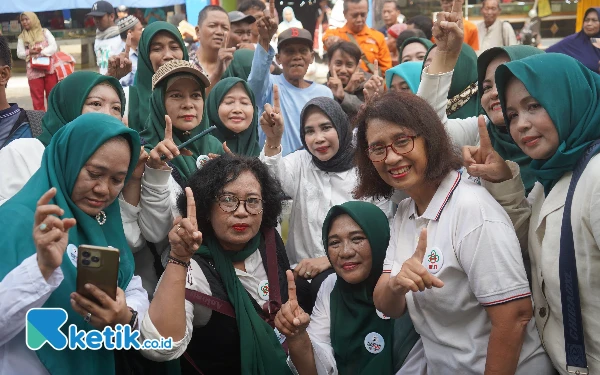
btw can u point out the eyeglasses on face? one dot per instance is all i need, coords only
(401, 146)
(230, 203)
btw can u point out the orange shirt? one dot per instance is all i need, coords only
(371, 42)
(471, 34)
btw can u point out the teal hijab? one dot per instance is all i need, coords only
(240, 65)
(67, 98)
(572, 99)
(353, 313)
(243, 143)
(65, 156)
(410, 71)
(499, 135)
(139, 93)
(425, 42)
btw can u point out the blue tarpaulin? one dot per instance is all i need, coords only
(18, 6)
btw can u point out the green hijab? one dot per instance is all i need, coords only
(154, 132)
(139, 93)
(67, 98)
(240, 65)
(574, 107)
(244, 143)
(501, 140)
(353, 313)
(409, 71)
(425, 42)
(261, 354)
(64, 157)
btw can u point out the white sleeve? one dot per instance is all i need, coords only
(20, 160)
(319, 329)
(390, 254)
(52, 47)
(21, 52)
(137, 298)
(285, 169)
(22, 289)
(155, 219)
(129, 216)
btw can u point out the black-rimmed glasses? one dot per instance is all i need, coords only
(401, 146)
(230, 203)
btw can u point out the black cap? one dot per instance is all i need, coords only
(101, 8)
(295, 35)
(237, 16)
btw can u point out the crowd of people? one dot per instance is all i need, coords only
(444, 209)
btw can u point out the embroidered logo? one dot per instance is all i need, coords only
(295, 32)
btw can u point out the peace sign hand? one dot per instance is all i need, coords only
(448, 29)
(414, 276)
(271, 120)
(291, 320)
(120, 65)
(483, 161)
(185, 238)
(336, 86)
(166, 148)
(374, 85)
(50, 234)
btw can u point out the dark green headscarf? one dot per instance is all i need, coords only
(63, 159)
(154, 132)
(353, 313)
(139, 93)
(501, 140)
(240, 65)
(67, 98)
(465, 76)
(261, 353)
(244, 143)
(425, 42)
(572, 99)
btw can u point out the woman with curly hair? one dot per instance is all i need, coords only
(225, 276)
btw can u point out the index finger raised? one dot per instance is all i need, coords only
(276, 106)
(168, 127)
(291, 285)
(376, 72)
(47, 197)
(484, 137)
(272, 7)
(421, 246)
(191, 204)
(457, 7)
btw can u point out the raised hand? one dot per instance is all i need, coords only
(224, 58)
(120, 65)
(267, 26)
(336, 86)
(374, 85)
(50, 233)
(311, 267)
(138, 172)
(185, 238)
(414, 276)
(271, 120)
(483, 161)
(166, 149)
(331, 41)
(291, 320)
(357, 78)
(448, 29)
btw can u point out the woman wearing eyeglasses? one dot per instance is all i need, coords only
(225, 277)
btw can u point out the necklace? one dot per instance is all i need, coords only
(101, 217)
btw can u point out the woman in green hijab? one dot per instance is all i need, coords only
(69, 201)
(160, 42)
(414, 49)
(555, 128)
(346, 332)
(232, 109)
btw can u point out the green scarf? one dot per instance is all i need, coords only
(427, 43)
(63, 159)
(501, 140)
(572, 99)
(240, 65)
(66, 100)
(154, 133)
(139, 93)
(353, 313)
(244, 143)
(261, 352)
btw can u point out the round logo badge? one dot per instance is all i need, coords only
(381, 315)
(263, 290)
(374, 343)
(72, 254)
(279, 336)
(433, 260)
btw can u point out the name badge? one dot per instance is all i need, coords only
(72, 254)
(263, 290)
(374, 343)
(433, 260)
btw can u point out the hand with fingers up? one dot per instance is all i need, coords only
(272, 125)
(185, 238)
(448, 29)
(165, 150)
(267, 26)
(483, 161)
(120, 65)
(374, 86)
(291, 320)
(336, 86)
(50, 233)
(414, 276)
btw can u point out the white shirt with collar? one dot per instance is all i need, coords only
(313, 192)
(500, 33)
(472, 247)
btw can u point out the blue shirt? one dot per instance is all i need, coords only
(292, 99)
(8, 120)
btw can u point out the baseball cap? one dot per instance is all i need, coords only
(237, 16)
(101, 8)
(127, 23)
(121, 8)
(179, 66)
(295, 35)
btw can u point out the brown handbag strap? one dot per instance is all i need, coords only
(274, 304)
(364, 59)
(211, 302)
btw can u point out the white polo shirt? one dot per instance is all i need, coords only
(472, 247)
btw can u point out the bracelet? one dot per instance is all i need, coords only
(134, 318)
(273, 148)
(180, 262)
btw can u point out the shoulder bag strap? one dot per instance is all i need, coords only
(274, 304)
(569, 287)
(211, 302)
(364, 59)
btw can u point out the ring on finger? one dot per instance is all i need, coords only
(307, 274)
(43, 227)
(178, 228)
(88, 317)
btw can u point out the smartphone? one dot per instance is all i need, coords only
(98, 266)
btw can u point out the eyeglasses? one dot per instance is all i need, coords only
(401, 146)
(230, 203)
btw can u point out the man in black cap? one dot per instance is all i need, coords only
(240, 35)
(108, 42)
(294, 53)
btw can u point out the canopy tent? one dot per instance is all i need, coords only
(19, 6)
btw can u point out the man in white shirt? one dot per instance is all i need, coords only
(108, 42)
(494, 32)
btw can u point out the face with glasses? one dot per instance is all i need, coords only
(237, 213)
(591, 24)
(397, 153)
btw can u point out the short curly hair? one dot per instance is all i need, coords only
(208, 182)
(409, 111)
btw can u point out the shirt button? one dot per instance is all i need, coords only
(542, 312)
